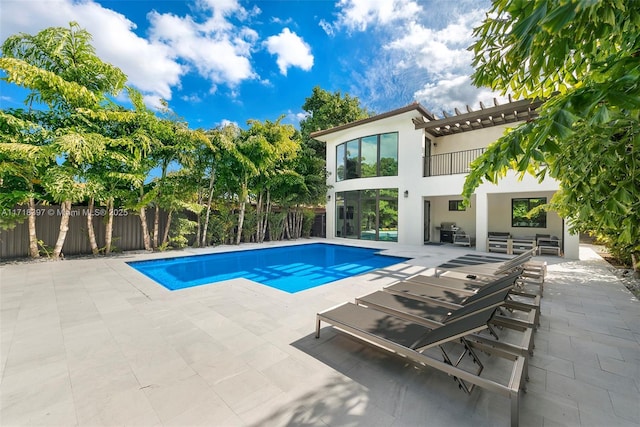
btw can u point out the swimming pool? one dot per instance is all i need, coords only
(288, 268)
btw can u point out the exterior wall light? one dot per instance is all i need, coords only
(328, 197)
(406, 193)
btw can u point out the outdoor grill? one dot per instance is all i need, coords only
(448, 231)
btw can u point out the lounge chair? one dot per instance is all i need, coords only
(453, 293)
(486, 268)
(452, 297)
(422, 286)
(412, 340)
(431, 314)
(535, 268)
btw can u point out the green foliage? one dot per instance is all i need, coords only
(222, 224)
(309, 217)
(584, 57)
(326, 110)
(276, 225)
(182, 229)
(44, 249)
(60, 67)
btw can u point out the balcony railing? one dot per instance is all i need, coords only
(451, 163)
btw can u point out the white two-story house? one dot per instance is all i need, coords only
(398, 176)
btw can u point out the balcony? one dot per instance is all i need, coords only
(451, 163)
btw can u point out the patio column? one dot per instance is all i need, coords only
(571, 242)
(482, 221)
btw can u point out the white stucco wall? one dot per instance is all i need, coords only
(409, 149)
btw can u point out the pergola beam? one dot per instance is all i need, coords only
(485, 117)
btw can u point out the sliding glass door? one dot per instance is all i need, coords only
(367, 214)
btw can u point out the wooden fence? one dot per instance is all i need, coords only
(127, 231)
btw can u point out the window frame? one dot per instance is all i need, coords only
(458, 207)
(342, 148)
(537, 222)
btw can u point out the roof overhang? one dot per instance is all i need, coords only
(423, 112)
(514, 111)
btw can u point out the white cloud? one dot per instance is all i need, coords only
(220, 56)
(360, 14)
(458, 92)
(441, 52)
(193, 98)
(291, 51)
(226, 122)
(423, 54)
(151, 67)
(155, 102)
(215, 48)
(295, 118)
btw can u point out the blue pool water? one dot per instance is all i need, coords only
(288, 268)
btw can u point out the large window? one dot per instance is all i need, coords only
(520, 213)
(367, 214)
(375, 155)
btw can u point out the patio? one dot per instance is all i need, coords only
(93, 342)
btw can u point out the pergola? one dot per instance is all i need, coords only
(498, 114)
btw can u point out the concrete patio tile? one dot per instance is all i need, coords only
(159, 368)
(603, 415)
(206, 413)
(553, 364)
(172, 399)
(578, 391)
(125, 406)
(115, 348)
(244, 391)
(220, 367)
(264, 356)
(586, 346)
(606, 380)
(553, 409)
(627, 369)
(195, 346)
(625, 405)
(43, 398)
(304, 406)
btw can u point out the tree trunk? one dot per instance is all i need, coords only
(267, 212)
(259, 235)
(165, 237)
(635, 264)
(145, 229)
(241, 214)
(65, 210)
(90, 230)
(206, 220)
(287, 232)
(33, 238)
(156, 226)
(196, 242)
(108, 227)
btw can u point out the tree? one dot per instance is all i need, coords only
(326, 110)
(583, 58)
(60, 68)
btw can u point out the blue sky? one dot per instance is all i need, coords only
(219, 61)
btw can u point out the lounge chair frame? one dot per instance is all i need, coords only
(489, 268)
(524, 348)
(470, 287)
(511, 389)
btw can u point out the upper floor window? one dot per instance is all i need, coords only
(374, 155)
(520, 213)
